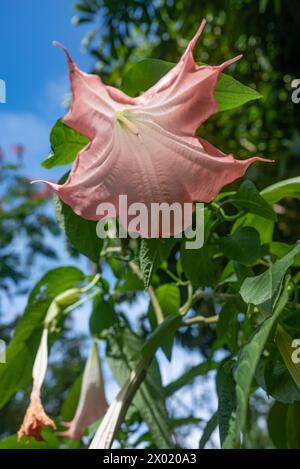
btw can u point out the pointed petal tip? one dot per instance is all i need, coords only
(197, 35)
(54, 186)
(61, 46)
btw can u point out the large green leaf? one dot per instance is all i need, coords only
(265, 288)
(103, 316)
(229, 93)
(66, 143)
(271, 194)
(242, 246)
(80, 232)
(143, 75)
(248, 198)
(245, 371)
(168, 296)
(280, 190)
(198, 265)
(20, 354)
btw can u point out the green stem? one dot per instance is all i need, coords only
(153, 298)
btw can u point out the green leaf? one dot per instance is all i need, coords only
(272, 195)
(292, 426)
(246, 368)
(228, 326)
(11, 442)
(81, 233)
(103, 317)
(66, 143)
(20, 354)
(273, 376)
(242, 246)
(277, 425)
(287, 188)
(229, 93)
(265, 288)
(226, 401)
(143, 75)
(210, 427)
(248, 198)
(198, 266)
(284, 343)
(168, 296)
(151, 255)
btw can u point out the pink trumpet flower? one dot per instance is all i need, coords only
(35, 418)
(146, 147)
(92, 404)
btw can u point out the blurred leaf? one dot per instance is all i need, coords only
(70, 403)
(20, 353)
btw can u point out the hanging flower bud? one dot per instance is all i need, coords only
(35, 418)
(92, 404)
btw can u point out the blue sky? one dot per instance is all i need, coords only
(35, 73)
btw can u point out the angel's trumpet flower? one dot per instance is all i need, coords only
(92, 403)
(35, 418)
(146, 147)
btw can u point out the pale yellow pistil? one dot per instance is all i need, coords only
(129, 124)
